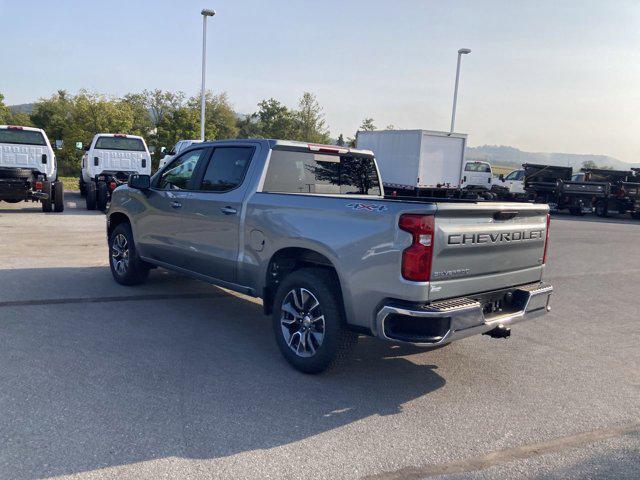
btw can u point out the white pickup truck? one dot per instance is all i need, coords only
(110, 159)
(28, 170)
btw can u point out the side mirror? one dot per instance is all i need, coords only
(501, 177)
(139, 182)
(86, 148)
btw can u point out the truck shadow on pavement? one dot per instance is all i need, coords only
(89, 385)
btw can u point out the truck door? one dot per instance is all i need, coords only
(159, 230)
(212, 213)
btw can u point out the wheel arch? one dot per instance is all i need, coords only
(287, 260)
(115, 219)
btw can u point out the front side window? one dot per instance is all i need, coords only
(513, 175)
(18, 136)
(177, 176)
(120, 143)
(309, 172)
(226, 168)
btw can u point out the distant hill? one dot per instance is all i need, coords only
(22, 108)
(505, 155)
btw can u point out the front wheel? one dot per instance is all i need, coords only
(602, 209)
(126, 267)
(309, 323)
(47, 203)
(91, 195)
(58, 197)
(101, 196)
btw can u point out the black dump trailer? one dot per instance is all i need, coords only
(623, 194)
(554, 185)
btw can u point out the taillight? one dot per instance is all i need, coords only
(113, 185)
(38, 185)
(546, 240)
(416, 259)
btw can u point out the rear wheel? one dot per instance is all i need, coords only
(101, 196)
(576, 211)
(47, 202)
(91, 195)
(602, 209)
(309, 323)
(126, 266)
(58, 196)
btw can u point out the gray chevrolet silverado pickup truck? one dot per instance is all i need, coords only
(308, 229)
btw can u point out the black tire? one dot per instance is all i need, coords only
(577, 211)
(13, 200)
(58, 197)
(83, 187)
(48, 202)
(101, 196)
(132, 272)
(337, 341)
(602, 209)
(91, 195)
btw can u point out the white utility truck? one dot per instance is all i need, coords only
(28, 169)
(177, 148)
(110, 159)
(426, 163)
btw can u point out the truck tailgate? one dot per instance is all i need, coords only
(486, 246)
(121, 160)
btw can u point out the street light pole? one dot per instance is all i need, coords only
(205, 13)
(462, 51)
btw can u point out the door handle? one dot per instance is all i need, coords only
(176, 205)
(228, 210)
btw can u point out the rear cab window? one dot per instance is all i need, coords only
(477, 167)
(18, 136)
(293, 171)
(120, 143)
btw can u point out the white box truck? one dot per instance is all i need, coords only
(425, 162)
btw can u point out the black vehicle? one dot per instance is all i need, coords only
(557, 187)
(623, 194)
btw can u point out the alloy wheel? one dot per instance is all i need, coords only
(302, 322)
(120, 254)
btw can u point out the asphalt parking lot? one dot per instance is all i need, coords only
(178, 379)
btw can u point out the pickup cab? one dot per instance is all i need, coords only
(308, 229)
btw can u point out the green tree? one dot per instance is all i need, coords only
(220, 119)
(589, 164)
(275, 120)
(310, 122)
(340, 142)
(367, 125)
(5, 112)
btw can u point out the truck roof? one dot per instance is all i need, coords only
(125, 135)
(434, 133)
(314, 147)
(19, 127)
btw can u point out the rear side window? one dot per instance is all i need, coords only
(177, 176)
(477, 167)
(21, 137)
(515, 175)
(226, 168)
(120, 143)
(309, 172)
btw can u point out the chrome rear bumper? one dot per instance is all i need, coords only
(450, 320)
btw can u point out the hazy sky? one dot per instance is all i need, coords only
(543, 76)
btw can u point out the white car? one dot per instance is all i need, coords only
(28, 169)
(477, 175)
(177, 148)
(514, 181)
(110, 159)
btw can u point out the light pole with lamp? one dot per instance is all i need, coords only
(205, 13)
(462, 51)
